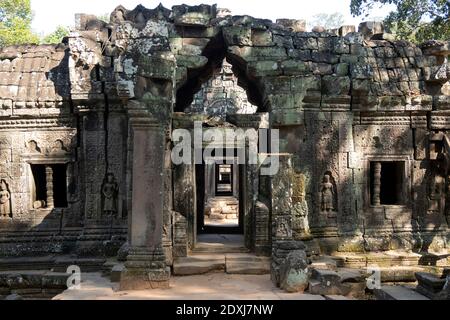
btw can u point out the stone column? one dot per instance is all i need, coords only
(281, 203)
(281, 197)
(376, 200)
(93, 137)
(49, 186)
(146, 267)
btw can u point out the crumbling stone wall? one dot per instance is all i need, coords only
(342, 100)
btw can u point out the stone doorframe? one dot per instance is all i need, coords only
(255, 222)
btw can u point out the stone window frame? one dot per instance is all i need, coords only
(47, 160)
(390, 210)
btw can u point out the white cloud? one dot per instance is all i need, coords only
(48, 14)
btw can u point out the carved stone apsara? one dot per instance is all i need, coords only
(328, 194)
(110, 191)
(5, 200)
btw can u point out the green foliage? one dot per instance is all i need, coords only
(15, 23)
(328, 21)
(413, 20)
(104, 17)
(56, 36)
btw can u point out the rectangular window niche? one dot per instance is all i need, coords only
(388, 181)
(49, 186)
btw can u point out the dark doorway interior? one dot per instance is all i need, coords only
(40, 188)
(392, 181)
(228, 193)
(59, 177)
(60, 185)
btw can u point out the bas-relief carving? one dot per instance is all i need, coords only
(437, 188)
(383, 139)
(110, 190)
(283, 227)
(5, 200)
(300, 223)
(58, 147)
(222, 96)
(328, 195)
(33, 147)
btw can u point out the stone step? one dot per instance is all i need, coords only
(247, 264)
(230, 263)
(337, 298)
(27, 263)
(199, 264)
(55, 263)
(33, 279)
(406, 273)
(219, 248)
(397, 293)
(86, 264)
(391, 259)
(325, 263)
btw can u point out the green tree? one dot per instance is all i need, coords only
(15, 23)
(56, 36)
(414, 20)
(328, 21)
(104, 17)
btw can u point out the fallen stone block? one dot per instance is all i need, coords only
(294, 272)
(116, 272)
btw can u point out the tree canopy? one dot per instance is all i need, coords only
(414, 20)
(328, 21)
(15, 23)
(56, 36)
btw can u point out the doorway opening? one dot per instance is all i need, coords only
(219, 186)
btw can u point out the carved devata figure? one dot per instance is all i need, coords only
(283, 228)
(436, 189)
(327, 194)
(58, 147)
(110, 190)
(5, 200)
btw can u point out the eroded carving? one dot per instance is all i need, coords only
(327, 194)
(110, 191)
(5, 200)
(58, 147)
(33, 147)
(300, 223)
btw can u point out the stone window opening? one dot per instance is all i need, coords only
(49, 186)
(387, 183)
(224, 180)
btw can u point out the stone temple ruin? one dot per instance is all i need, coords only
(86, 140)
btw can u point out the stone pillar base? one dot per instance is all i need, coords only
(144, 280)
(144, 270)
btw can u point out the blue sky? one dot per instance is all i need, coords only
(48, 14)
